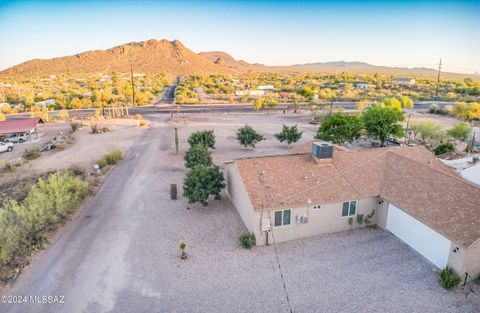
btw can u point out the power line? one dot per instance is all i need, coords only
(438, 76)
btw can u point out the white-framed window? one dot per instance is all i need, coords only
(349, 208)
(316, 207)
(282, 218)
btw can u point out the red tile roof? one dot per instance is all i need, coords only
(19, 126)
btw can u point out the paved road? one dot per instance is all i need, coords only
(165, 106)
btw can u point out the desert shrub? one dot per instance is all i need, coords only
(75, 126)
(138, 116)
(94, 127)
(30, 154)
(142, 123)
(204, 137)
(443, 148)
(77, 170)
(448, 279)
(110, 158)
(433, 108)
(24, 225)
(246, 240)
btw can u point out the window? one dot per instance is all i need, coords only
(349, 208)
(282, 218)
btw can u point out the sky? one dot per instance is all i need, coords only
(391, 33)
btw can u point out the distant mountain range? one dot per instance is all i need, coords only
(163, 56)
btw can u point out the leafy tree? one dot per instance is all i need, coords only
(306, 92)
(340, 128)
(203, 137)
(391, 103)
(444, 148)
(460, 131)
(247, 136)
(381, 122)
(258, 103)
(198, 154)
(201, 182)
(289, 134)
(406, 102)
(2, 117)
(326, 94)
(461, 110)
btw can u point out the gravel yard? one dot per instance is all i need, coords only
(121, 254)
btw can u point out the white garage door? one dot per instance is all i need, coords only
(429, 243)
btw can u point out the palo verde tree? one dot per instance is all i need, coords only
(381, 122)
(201, 182)
(340, 128)
(205, 138)
(198, 154)
(460, 131)
(289, 134)
(248, 137)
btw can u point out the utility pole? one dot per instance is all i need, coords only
(133, 85)
(438, 76)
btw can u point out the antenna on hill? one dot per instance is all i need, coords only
(438, 76)
(133, 85)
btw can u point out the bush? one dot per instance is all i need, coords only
(444, 148)
(204, 137)
(448, 279)
(197, 155)
(110, 158)
(76, 170)
(142, 123)
(25, 225)
(75, 126)
(30, 154)
(138, 116)
(246, 240)
(247, 136)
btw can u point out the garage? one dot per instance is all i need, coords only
(426, 241)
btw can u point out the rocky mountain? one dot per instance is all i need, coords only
(172, 57)
(153, 56)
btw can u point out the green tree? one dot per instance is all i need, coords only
(391, 103)
(247, 136)
(460, 131)
(432, 134)
(306, 92)
(198, 154)
(381, 122)
(203, 137)
(289, 134)
(259, 103)
(406, 102)
(340, 128)
(201, 182)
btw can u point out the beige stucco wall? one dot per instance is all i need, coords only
(327, 219)
(237, 193)
(465, 260)
(381, 213)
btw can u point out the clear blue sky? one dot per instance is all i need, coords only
(402, 33)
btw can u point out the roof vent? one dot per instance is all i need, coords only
(322, 150)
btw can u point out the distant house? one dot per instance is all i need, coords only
(364, 86)
(404, 190)
(249, 92)
(403, 81)
(45, 103)
(266, 88)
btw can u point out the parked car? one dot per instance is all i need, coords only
(397, 140)
(6, 146)
(17, 138)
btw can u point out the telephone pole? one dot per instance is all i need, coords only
(133, 85)
(438, 76)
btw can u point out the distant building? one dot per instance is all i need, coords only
(45, 103)
(266, 88)
(404, 81)
(249, 92)
(364, 86)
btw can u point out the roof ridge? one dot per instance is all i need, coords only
(436, 170)
(335, 177)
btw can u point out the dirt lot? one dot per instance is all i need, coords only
(121, 253)
(85, 149)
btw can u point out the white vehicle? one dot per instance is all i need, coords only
(17, 138)
(6, 146)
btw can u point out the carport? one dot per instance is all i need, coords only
(20, 126)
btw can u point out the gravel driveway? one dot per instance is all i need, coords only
(121, 254)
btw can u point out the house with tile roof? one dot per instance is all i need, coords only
(404, 190)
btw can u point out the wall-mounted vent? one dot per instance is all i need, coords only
(322, 150)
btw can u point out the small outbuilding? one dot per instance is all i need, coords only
(20, 127)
